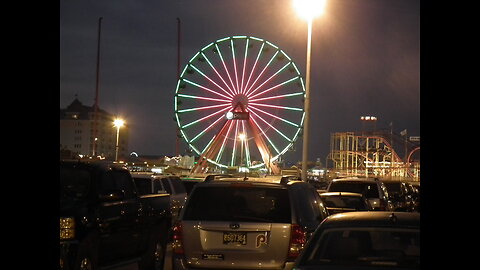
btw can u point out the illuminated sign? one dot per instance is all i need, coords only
(237, 115)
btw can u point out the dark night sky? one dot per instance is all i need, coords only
(365, 60)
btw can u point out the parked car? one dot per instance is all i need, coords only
(189, 182)
(105, 222)
(414, 190)
(364, 240)
(372, 188)
(246, 224)
(150, 183)
(400, 195)
(339, 202)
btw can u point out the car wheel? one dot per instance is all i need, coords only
(86, 256)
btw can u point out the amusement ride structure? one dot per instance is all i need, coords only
(239, 104)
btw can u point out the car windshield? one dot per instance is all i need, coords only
(369, 190)
(382, 247)
(223, 203)
(344, 202)
(74, 184)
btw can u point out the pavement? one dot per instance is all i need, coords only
(166, 266)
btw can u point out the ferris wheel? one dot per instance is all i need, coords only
(239, 103)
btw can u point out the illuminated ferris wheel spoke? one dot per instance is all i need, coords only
(244, 64)
(225, 67)
(265, 135)
(234, 65)
(267, 80)
(202, 108)
(261, 73)
(222, 148)
(205, 117)
(209, 143)
(204, 98)
(276, 106)
(271, 88)
(275, 97)
(210, 80)
(205, 130)
(274, 128)
(218, 74)
(274, 116)
(234, 149)
(206, 88)
(254, 66)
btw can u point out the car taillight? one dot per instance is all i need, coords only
(177, 245)
(298, 238)
(67, 228)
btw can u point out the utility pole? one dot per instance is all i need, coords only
(177, 141)
(95, 114)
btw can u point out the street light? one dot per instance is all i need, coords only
(118, 123)
(308, 9)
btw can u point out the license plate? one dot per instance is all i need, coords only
(235, 238)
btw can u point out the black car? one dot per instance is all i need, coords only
(364, 240)
(400, 195)
(104, 222)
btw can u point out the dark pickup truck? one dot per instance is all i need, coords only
(104, 223)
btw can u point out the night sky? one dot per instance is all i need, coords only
(365, 60)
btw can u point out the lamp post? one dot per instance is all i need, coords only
(118, 123)
(309, 9)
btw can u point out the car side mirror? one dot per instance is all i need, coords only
(112, 195)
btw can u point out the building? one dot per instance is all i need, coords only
(77, 133)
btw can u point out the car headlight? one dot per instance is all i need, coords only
(67, 228)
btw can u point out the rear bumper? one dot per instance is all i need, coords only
(179, 263)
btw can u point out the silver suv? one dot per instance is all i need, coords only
(372, 188)
(245, 224)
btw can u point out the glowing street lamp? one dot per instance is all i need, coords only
(308, 9)
(118, 123)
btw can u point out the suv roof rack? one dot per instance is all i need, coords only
(211, 177)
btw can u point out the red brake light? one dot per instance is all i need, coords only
(177, 245)
(298, 238)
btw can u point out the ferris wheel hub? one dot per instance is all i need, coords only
(240, 98)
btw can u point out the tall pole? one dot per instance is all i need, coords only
(177, 142)
(116, 145)
(307, 104)
(95, 114)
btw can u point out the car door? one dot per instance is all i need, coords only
(109, 219)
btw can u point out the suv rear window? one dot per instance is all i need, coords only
(255, 204)
(144, 185)
(74, 183)
(369, 190)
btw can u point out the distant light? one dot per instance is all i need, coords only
(229, 115)
(309, 9)
(241, 136)
(368, 118)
